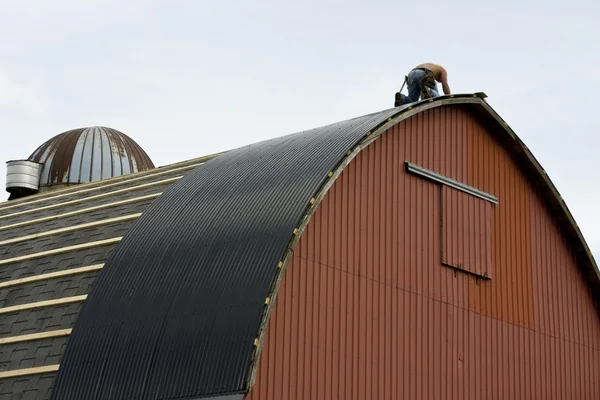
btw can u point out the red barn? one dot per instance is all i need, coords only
(420, 252)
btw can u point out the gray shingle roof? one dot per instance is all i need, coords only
(52, 247)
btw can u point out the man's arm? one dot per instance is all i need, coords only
(444, 81)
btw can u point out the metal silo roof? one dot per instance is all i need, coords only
(89, 154)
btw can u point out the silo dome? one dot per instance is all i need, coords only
(88, 154)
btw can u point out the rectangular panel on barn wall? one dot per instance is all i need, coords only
(466, 232)
(465, 224)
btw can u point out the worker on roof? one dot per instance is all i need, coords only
(421, 82)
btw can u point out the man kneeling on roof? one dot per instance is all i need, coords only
(421, 82)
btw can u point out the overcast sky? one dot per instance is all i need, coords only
(189, 78)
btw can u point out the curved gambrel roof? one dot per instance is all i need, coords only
(182, 304)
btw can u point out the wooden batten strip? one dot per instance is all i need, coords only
(70, 229)
(35, 336)
(51, 275)
(82, 211)
(42, 304)
(61, 250)
(94, 197)
(29, 371)
(97, 185)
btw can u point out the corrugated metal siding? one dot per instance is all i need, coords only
(562, 300)
(366, 309)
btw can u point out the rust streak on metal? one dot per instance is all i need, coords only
(61, 162)
(59, 153)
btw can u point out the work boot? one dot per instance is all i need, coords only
(425, 93)
(401, 100)
(398, 99)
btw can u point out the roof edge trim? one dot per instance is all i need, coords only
(444, 180)
(572, 226)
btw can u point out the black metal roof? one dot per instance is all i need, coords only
(185, 291)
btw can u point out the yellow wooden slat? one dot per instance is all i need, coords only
(104, 183)
(81, 211)
(94, 197)
(49, 195)
(42, 304)
(29, 371)
(51, 275)
(70, 229)
(61, 250)
(35, 336)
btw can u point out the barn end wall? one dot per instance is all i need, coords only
(368, 310)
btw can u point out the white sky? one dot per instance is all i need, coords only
(189, 78)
